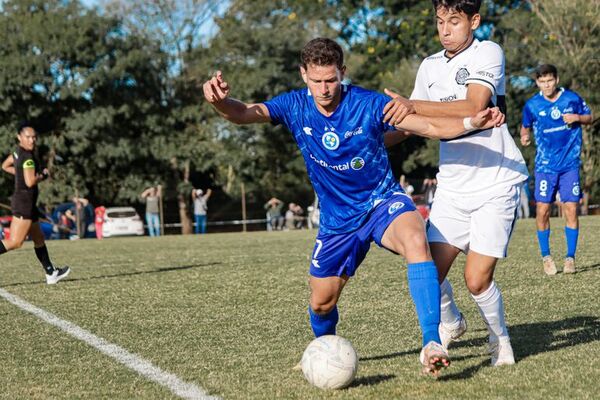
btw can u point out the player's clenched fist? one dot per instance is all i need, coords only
(488, 118)
(216, 89)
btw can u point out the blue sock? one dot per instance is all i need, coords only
(544, 241)
(571, 235)
(324, 324)
(425, 291)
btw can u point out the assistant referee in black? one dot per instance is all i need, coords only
(25, 167)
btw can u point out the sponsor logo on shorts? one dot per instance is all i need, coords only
(395, 207)
(575, 190)
(461, 76)
(330, 140)
(357, 163)
(555, 113)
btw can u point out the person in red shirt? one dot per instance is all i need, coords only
(99, 211)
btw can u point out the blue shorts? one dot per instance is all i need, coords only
(341, 254)
(565, 183)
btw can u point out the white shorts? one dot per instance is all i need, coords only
(482, 222)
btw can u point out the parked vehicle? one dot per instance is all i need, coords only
(122, 221)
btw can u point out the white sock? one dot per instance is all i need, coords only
(449, 313)
(491, 309)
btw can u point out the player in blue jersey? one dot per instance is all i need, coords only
(556, 115)
(340, 131)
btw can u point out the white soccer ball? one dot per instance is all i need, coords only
(330, 362)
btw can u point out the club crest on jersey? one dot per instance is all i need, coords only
(555, 113)
(331, 140)
(461, 76)
(395, 207)
(357, 163)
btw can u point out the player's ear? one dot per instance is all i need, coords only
(557, 80)
(475, 21)
(342, 72)
(303, 74)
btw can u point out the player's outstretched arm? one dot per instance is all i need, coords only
(449, 128)
(216, 92)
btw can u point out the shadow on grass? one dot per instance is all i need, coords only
(371, 380)
(536, 338)
(587, 268)
(120, 275)
(527, 340)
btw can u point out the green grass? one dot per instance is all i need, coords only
(228, 313)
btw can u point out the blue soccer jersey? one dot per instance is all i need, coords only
(558, 144)
(344, 153)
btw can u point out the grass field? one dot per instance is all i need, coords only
(227, 312)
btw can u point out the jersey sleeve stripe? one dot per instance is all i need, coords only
(479, 80)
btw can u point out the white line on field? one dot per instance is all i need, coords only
(141, 366)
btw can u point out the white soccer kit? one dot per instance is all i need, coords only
(479, 173)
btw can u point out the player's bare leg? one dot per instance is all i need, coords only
(324, 295)
(19, 228)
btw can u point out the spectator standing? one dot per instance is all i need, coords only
(99, 220)
(200, 200)
(152, 197)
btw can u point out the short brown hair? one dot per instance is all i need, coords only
(322, 52)
(546, 69)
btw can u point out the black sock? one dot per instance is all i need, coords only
(42, 255)
(2, 247)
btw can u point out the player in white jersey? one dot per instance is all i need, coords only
(474, 209)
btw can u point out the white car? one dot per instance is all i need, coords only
(122, 221)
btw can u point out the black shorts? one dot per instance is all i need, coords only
(25, 207)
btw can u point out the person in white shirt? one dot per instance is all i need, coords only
(200, 199)
(480, 173)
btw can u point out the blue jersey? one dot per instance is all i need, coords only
(344, 153)
(558, 144)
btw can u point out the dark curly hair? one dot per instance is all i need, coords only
(322, 52)
(469, 7)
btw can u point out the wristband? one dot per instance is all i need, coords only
(467, 124)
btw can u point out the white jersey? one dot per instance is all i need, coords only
(480, 160)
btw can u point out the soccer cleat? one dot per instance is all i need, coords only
(449, 334)
(57, 275)
(434, 357)
(569, 266)
(502, 352)
(549, 266)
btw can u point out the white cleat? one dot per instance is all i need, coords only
(569, 266)
(502, 352)
(549, 265)
(434, 357)
(449, 334)
(57, 275)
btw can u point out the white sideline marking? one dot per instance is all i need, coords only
(141, 366)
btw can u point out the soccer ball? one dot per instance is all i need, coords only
(329, 362)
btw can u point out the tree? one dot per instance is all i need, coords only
(94, 94)
(259, 64)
